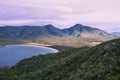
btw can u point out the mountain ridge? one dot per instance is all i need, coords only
(49, 29)
(116, 33)
(74, 36)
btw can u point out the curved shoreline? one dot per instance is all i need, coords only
(38, 45)
(42, 45)
(53, 49)
(11, 63)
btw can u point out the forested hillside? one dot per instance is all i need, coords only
(101, 62)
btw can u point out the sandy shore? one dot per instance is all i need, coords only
(38, 44)
(94, 43)
(44, 45)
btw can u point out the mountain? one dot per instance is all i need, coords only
(28, 32)
(101, 62)
(73, 36)
(53, 30)
(79, 30)
(116, 33)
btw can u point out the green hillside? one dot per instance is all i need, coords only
(97, 63)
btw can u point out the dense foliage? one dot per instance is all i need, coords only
(97, 63)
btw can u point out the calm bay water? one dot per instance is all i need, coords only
(11, 54)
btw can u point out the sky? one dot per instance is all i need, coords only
(103, 14)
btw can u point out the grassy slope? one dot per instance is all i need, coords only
(98, 63)
(61, 41)
(13, 41)
(68, 41)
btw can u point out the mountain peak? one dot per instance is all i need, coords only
(78, 25)
(49, 25)
(78, 30)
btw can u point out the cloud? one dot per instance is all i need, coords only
(61, 13)
(25, 22)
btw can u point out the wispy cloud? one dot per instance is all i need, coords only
(103, 14)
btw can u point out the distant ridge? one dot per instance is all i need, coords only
(116, 33)
(76, 35)
(77, 30)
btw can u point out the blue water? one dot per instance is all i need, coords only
(11, 54)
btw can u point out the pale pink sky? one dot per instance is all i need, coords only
(103, 14)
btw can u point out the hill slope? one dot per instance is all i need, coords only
(79, 30)
(97, 63)
(77, 35)
(27, 32)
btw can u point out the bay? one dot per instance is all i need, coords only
(11, 54)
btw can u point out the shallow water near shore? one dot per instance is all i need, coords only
(11, 54)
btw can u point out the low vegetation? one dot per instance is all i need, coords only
(101, 62)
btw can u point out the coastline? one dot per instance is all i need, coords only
(38, 45)
(50, 51)
(57, 48)
(42, 45)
